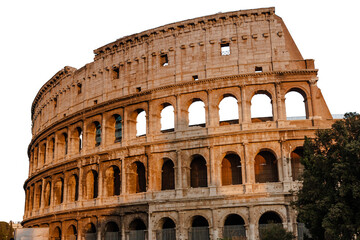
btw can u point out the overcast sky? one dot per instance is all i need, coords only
(38, 38)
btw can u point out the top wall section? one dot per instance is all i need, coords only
(207, 47)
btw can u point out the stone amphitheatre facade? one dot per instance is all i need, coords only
(94, 175)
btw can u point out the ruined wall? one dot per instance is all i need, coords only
(91, 173)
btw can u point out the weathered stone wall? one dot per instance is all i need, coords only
(90, 172)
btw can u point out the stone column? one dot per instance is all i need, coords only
(280, 108)
(313, 92)
(178, 169)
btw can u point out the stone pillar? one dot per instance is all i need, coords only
(252, 231)
(211, 111)
(280, 108)
(313, 92)
(123, 177)
(178, 169)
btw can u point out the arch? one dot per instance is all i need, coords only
(42, 152)
(59, 191)
(167, 231)
(197, 115)
(296, 104)
(167, 120)
(97, 133)
(137, 177)
(56, 234)
(52, 148)
(112, 181)
(79, 137)
(231, 170)
(90, 231)
(199, 228)
(198, 172)
(267, 219)
(261, 107)
(112, 231)
(141, 123)
(229, 110)
(266, 167)
(234, 227)
(91, 184)
(47, 194)
(118, 128)
(296, 167)
(73, 188)
(71, 233)
(167, 175)
(137, 230)
(38, 196)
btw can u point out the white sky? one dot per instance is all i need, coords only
(38, 38)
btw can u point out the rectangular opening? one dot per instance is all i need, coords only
(225, 49)
(95, 101)
(115, 73)
(164, 61)
(79, 86)
(138, 89)
(258, 69)
(195, 77)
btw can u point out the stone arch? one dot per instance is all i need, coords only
(269, 217)
(114, 128)
(234, 226)
(77, 136)
(91, 184)
(71, 233)
(296, 104)
(42, 153)
(56, 234)
(167, 229)
(59, 191)
(199, 228)
(47, 194)
(137, 177)
(197, 113)
(38, 193)
(231, 171)
(198, 172)
(94, 134)
(137, 229)
(51, 154)
(260, 101)
(141, 122)
(112, 231)
(62, 144)
(90, 231)
(167, 117)
(266, 169)
(228, 110)
(167, 175)
(296, 167)
(112, 181)
(73, 188)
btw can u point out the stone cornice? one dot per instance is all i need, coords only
(183, 26)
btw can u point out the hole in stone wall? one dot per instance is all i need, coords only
(258, 69)
(197, 113)
(141, 123)
(164, 61)
(225, 49)
(261, 108)
(228, 110)
(167, 119)
(295, 106)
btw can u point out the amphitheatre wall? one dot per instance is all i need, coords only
(90, 170)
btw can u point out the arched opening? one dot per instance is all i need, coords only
(267, 220)
(47, 194)
(59, 191)
(141, 123)
(297, 168)
(42, 152)
(91, 184)
(167, 175)
(137, 178)
(38, 196)
(234, 227)
(167, 232)
(198, 172)
(52, 148)
(79, 139)
(228, 111)
(296, 105)
(73, 188)
(71, 233)
(266, 167)
(231, 170)
(118, 128)
(97, 134)
(90, 231)
(167, 118)
(62, 144)
(112, 231)
(261, 107)
(199, 229)
(197, 113)
(56, 235)
(137, 230)
(112, 181)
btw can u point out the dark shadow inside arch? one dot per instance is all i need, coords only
(234, 227)
(137, 230)
(167, 232)
(167, 175)
(231, 170)
(297, 168)
(266, 167)
(198, 172)
(199, 229)
(112, 231)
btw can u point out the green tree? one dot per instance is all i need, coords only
(329, 200)
(275, 232)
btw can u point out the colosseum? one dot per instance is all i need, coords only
(106, 162)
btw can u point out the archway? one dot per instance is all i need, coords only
(71, 233)
(267, 219)
(167, 175)
(231, 170)
(198, 172)
(90, 231)
(234, 227)
(167, 231)
(296, 167)
(112, 231)
(228, 110)
(261, 107)
(199, 229)
(266, 167)
(137, 230)
(197, 113)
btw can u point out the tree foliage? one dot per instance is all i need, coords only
(6, 231)
(275, 232)
(329, 200)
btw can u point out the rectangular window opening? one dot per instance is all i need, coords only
(164, 61)
(115, 73)
(95, 101)
(79, 86)
(225, 49)
(138, 89)
(195, 77)
(258, 69)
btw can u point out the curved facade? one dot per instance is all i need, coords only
(95, 173)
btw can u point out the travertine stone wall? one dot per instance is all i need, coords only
(91, 175)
